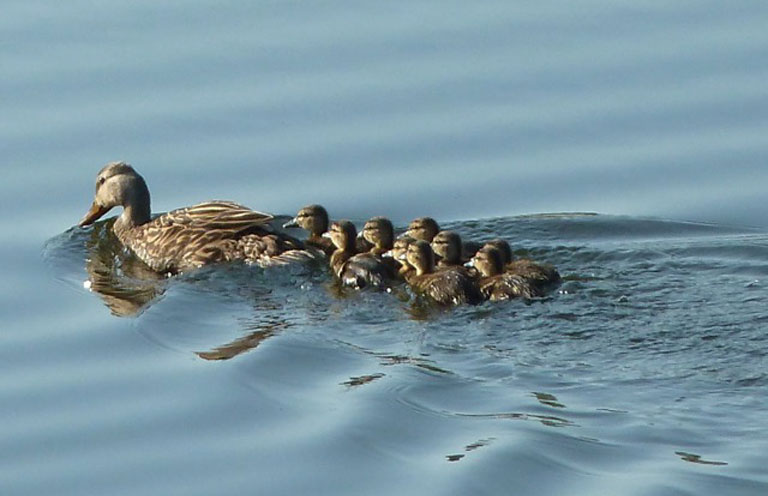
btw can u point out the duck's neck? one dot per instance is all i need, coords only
(338, 258)
(424, 269)
(380, 249)
(491, 270)
(316, 238)
(136, 207)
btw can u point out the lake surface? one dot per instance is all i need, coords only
(645, 374)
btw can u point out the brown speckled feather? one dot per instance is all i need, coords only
(210, 232)
(508, 286)
(528, 269)
(446, 287)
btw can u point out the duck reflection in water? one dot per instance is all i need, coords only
(125, 284)
(269, 321)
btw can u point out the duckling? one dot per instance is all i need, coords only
(541, 274)
(186, 238)
(495, 284)
(356, 270)
(314, 219)
(445, 287)
(423, 228)
(397, 253)
(448, 248)
(380, 234)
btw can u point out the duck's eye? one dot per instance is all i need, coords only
(101, 180)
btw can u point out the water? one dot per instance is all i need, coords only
(644, 375)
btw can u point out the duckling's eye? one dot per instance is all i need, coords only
(101, 180)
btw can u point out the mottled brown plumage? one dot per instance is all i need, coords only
(423, 228)
(397, 253)
(494, 283)
(445, 287)
(538, 273)
(190, 237)
(380, 234)
(314, 219)
(353, 269)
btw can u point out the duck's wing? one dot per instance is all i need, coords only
(528, 269)
(451, 287)
(365, 269)
(220, 215)
(509, 286)
(194, 236)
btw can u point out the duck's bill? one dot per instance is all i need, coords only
(388, 254)
(292, 223)
(470, 264)
(326, 235)
(93, 215)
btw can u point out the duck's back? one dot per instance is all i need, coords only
(528, 269)
(325, 245)
(447, 287)
(508, 286)
(366, 269)
(209, 232)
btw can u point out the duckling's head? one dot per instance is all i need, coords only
(424, 228)
(118, 184)
(343, 234)
(447, 247)
(313, 218)
(379, 232)
(421, 257)
(504, 249)
(399, 249)
(488, 261)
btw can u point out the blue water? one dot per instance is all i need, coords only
(644, 375)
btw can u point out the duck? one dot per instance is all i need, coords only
(541, 274)
(426, 228)
(190, 237)
(449, 253)
(379, 233)
(314, 219)
(495, 284)
(447, 287)
(357, 270)
(423, 228)
(397, 254)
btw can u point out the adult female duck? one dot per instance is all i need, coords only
(187, 238)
